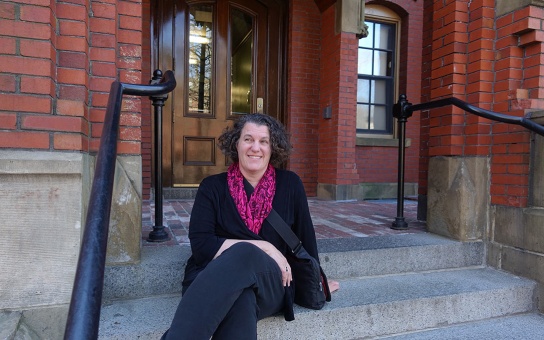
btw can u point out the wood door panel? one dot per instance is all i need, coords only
(199, 151)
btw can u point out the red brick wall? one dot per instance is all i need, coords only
(426, 68)
(303, 111)
(519, 88)
(57, 63)
(28, 54)
(146, 125)
(116, 40)
(493, 63)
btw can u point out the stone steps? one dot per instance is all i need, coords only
(161, 269)
(12, 326)
(515, 327)
(398, 285)
(364, 307)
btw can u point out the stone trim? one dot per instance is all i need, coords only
(337, 192)
(506, 6)
(385, 142)
(373, 191)
(362, 191)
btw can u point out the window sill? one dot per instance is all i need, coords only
(383, 142)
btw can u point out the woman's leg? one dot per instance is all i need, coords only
(216, 289)
(240, 323)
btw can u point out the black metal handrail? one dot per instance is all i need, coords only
(403, 110)
(85, 305)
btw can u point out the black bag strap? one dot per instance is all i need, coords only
(285, 232)
(279, 224)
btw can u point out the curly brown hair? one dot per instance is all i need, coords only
(279, 139)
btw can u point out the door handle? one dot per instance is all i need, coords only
(260, 105)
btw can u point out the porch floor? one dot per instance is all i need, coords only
(332, 219)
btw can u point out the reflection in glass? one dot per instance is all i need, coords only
(377, 117)
(363, 116)
(363, 89)
(200, 58)
(241, 35)
(364, 62)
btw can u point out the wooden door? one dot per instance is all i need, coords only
(227, 57)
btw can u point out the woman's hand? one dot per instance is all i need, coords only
(276, 255)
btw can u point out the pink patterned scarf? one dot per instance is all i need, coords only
(255, 211)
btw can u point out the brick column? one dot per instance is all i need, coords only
(460, 66)
(337, 169)
(303, 94)
(116, 53)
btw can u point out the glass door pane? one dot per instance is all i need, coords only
(241, 78)
(200, 59)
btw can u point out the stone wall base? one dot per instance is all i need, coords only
(516, 243)
(458, 197)
(42, 195)
(125, 234)
(44, 199)
(363, 191)
(376, 191)
(337, 192)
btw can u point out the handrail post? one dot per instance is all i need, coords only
(158, 234)
(401, 111)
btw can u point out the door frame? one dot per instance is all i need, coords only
(280, 35)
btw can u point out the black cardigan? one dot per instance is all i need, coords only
(214, 218)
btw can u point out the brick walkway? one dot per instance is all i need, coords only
(332, 219)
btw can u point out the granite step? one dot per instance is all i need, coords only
(161, 269)
(365, 307)
(12, 326)
(515, 327)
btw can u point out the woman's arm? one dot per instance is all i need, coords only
(202, 227)
(270, 250)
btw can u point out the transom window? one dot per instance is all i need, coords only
(375, 83)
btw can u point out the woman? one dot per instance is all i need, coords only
(238, 273)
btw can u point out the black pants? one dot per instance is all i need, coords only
(238, 288)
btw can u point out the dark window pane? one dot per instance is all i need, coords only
(383, 37)
(379, 92)
(381, 63)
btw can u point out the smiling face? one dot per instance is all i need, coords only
(254, 150)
